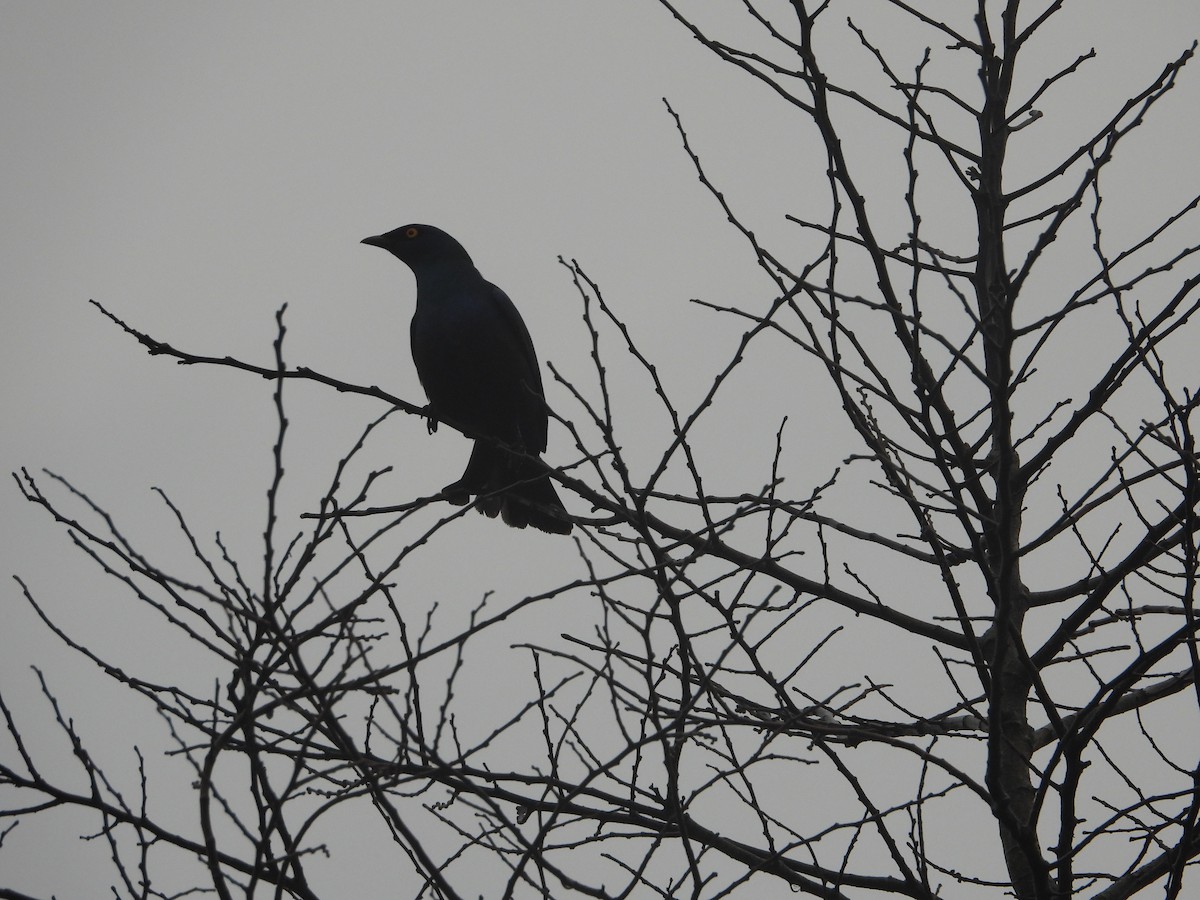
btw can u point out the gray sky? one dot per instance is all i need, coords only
(194, 166)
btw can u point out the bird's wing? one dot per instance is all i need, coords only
(533, 423)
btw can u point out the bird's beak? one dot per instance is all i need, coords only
(374, 240)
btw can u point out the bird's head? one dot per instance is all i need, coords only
(420, 244)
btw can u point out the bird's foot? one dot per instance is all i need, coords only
(457, 493)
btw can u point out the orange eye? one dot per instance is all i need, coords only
(411, 232)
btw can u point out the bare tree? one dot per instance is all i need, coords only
(961, 663)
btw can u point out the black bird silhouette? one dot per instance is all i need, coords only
(477, 364)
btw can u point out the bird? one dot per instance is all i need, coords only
(476, 361)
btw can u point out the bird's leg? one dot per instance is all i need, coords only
(474, 479)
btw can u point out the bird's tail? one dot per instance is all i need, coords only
(513, 486)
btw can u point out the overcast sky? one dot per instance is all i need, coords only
(195, 166)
